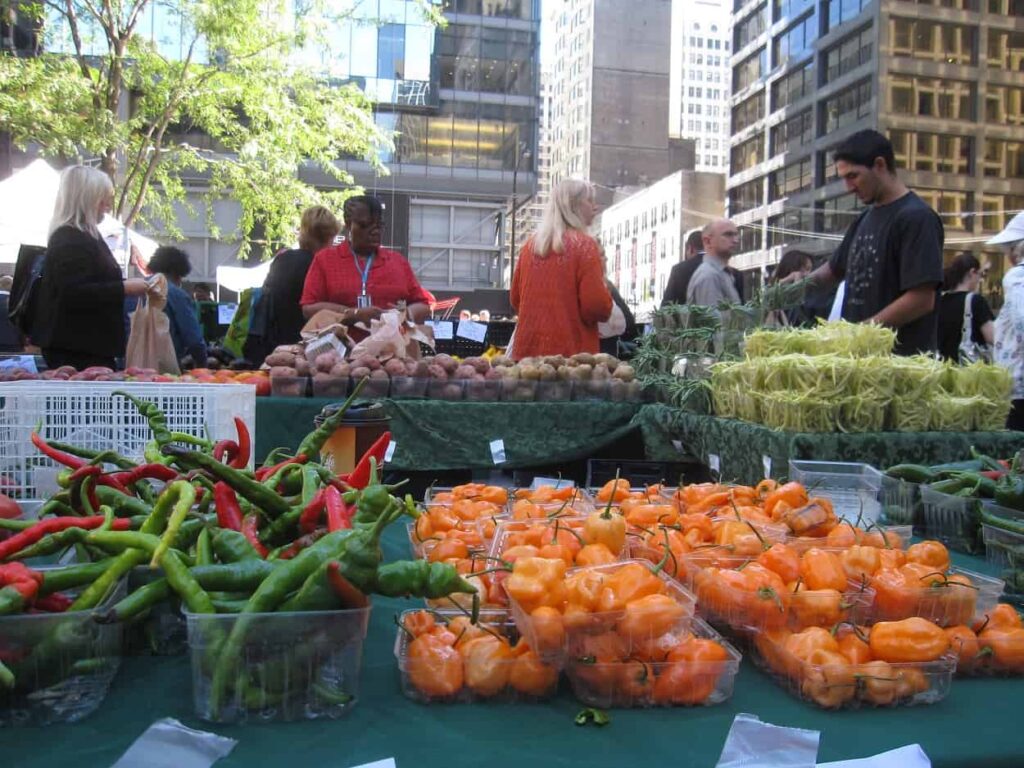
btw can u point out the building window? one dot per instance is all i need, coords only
(1004, 105)
(796, 132)
(748, 112)
(931, 41)
(746, 196)
(846, 107)
(1004, 159)
(748, 154)
(1006, 7)
(937, 153)
(796, 40)
(995, 207)
(849, 54)
(793, 86)
(791, 223)
(787, 9)
(838, 213)
(748, 30)
(931, 97)
(1005, 50)
(793, 178)
(840, 11)
(749, 71)
(952, 204)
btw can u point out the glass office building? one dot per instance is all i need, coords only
(942, 78)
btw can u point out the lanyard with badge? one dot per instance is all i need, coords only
(363, 300)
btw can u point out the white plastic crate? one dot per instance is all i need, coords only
(853, 488)
(87, 414)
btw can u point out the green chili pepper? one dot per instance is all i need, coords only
(265, 499)
(243, 576)
(284, 527)
(6, 677)
(331, 695)
(152, 414)
(276, 456)
(420, 578)
(107, 457)
(232, 546)
(123, 506)
(61, 579)
(229, 606)
(913, 473)
(135, 604)
(315, 594)
(52, 543)
(1009, 492)
(204, 548)
(192, 595)
(184, 495)
(313, 443)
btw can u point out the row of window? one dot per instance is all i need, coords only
(698, 92)
(694, 126)
(698, 76)
(640, 223)
(955, 43)
(709, 60)
(710, 43)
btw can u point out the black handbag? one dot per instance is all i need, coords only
(27, 273)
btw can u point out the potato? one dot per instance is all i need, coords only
(501, 360)
(494, 375)
(583, 358)
(437, 372)
(282, 371)
(341, 370)
(606, 360)
(325, 361)
(302, 366)
(601, 373)
(449, 363)
(379, 374)
(359, 373)
(546, 372)
(624, 372)
(420, 369)
(452, 392)
(322, 378)
(464, 372)
(509, 372)
(584, 372)
(278, 359)
(529, 372)
(528, 361)
(617, 390)
(565, 373)
(480, 364)
(555, 361)
(395, 367)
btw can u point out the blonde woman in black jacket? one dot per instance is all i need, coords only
(79, 311)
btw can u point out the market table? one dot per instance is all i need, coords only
(742, 446)
(439, 435)
(975, 726)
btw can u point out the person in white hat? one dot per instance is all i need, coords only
(1009, 347)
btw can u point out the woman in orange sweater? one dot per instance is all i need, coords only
(558, 288)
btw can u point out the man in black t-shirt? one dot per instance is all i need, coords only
(891, 256)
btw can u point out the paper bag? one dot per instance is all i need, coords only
(149, 343)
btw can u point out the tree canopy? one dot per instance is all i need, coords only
(227, 103)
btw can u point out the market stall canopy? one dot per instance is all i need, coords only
(26, 206)
(237, 279)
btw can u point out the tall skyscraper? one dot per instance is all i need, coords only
(701, 78)
(941, 78)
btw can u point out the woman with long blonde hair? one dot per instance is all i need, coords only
(79, 313)
(558, 289)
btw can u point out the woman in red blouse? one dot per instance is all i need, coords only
(558, 288)
(359, 278)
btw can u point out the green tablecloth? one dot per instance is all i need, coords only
(974, 726)
(435, 435)
(742, 446)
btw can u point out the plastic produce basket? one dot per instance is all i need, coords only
(849, 686)
(63, 664)
(1004, 549)
(330, 386)
(289, 386)
(516, 678)
(408, 386)
(161, 630)
(945, 605)
(953, 520)
(852, 488)
(901, 502)
(290, 666)
(86, 414)
(656, 684)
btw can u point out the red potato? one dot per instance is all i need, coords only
(326, 361)
(282, 371)
(302, 366)
(395, 367)
(341, 370)
(361, 372)
(464, 372)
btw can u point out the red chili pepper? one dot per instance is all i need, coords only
(229, 511)
(31, 535)
(58, 456)
(251, 531)
(89, 470)
(264, 472)
(311, 512)
(241, 459)
(225, 449)
(19, 585)
(112, 482)
(339, 514)
(301, 543)
(993, 474)
(348, 594)
(360, 476)
(55, 603)
(159, 472)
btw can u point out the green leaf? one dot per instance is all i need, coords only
(590, 715)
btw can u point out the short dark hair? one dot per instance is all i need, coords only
(169, 260)
(864, 147)
(372, 204)
(695, 241)
(958, 269)
(791, 262)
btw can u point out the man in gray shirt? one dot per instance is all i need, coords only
(711, 283)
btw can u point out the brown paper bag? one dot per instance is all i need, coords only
(149, 343)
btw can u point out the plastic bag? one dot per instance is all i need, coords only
(393, 336)
(149, 343)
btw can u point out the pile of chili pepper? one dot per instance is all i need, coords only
(290, 536)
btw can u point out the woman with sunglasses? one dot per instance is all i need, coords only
(966, 331)
(358, 278)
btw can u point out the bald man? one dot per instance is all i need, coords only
(712, 283)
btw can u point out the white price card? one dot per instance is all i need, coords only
(554, 482)
(388, 763)
(25, 362)
(766, 462)
(443, 329)
(498, 451)
(472, 331)
(715, 463)
(389, 454)
(226, 313)
(678, 445)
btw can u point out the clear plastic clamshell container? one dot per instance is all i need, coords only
(958, 597)
(841, 685)
(901, 502)
(62, 664)
(683, 669)
(953, 520)
(1004, 549)
(853, 488)
(501, 669)
(267, 667)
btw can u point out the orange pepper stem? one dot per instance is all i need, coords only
(607, 514)
(558, 512)
(986, 651)
(856, 630)
(499, 569)
(665, 558)
(767, 593)
(554, 539)
(946, 582)
(764, 545)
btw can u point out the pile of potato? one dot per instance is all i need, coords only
(582, 376)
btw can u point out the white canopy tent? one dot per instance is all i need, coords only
(237, 279)
(26, 206)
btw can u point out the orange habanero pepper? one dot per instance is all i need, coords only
(537, 581)
(434, 668)
(913, 639)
